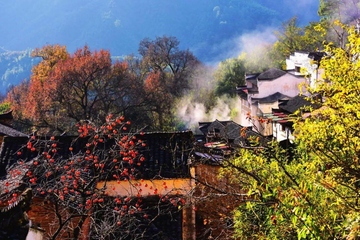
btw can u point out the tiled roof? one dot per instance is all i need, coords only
(165, 153)
(6, 116)
(227, 129)
(8, 131)
(13, 181)
(316, 55)
(11, 145)
(242, 92)
(271, 74)
(294, 104)
(279, 117)
(283, 115)
(271, 98)
(251, 76)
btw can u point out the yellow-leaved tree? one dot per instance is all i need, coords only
(313, 191)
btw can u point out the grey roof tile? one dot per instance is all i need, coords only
(8, 131)
(271, 74)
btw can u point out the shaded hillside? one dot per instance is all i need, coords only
(119, 26)
(207, 28)
(15, 66)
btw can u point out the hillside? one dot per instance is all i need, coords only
(15, 66)
(207, 28)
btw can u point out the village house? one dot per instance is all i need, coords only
(166, 172)
(264, 91)
(13, 208)
(282, 117)
(306, 64)
(6, 128)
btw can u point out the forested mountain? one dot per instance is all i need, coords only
(207, 28)
(15, 66)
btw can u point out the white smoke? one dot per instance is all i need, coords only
(191, 113)
(191, 109)
(256, 41)
(349, 10)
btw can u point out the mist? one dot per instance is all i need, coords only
(349, 10)
(191, 113)
(195, 106)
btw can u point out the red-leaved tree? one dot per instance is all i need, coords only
(66, 88)
(65, 177)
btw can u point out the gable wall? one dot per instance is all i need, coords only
(286, 84)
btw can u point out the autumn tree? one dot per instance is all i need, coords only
(69, 182)
(30, 100)
(38, 99)
(66, 88)
(170, 71)
(17, 96)
(164, 56)
(87, 85)
(161, 100)
(311, 192)
(82, 82)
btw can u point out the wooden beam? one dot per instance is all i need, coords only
(143, 188)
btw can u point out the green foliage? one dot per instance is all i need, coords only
(345, 10)
(327, 8)
(4, 107)
(230, 73)
(293, 38)
(331, 11)
(314, 192)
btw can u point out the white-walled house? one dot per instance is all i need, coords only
(263, 92)
(281, 124)
(306, 64)
(282, 117)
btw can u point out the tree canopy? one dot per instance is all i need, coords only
(87, 85)
(311, 192)
(230, 74)
(169, 72)
(293, 38)
(65, 88)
